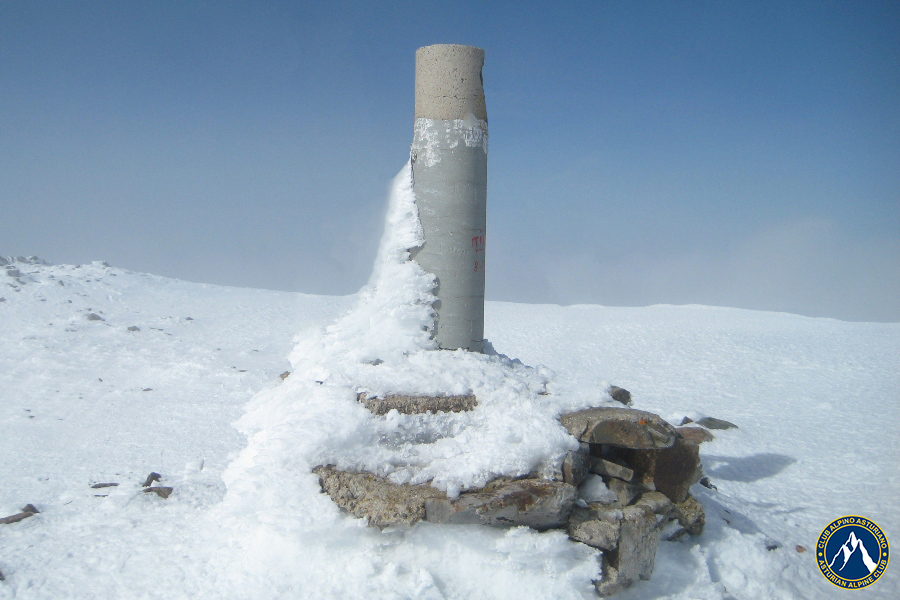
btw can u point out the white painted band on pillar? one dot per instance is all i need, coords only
(449, 170)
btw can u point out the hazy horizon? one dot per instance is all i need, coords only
(690, 153)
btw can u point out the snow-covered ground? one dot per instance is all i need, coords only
(108, 375)
(86, 401)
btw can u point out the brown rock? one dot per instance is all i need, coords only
(97, 486)
(672, 470)
(162, 492)
(285, 375)
(698, 435)
(690, 515)
(714, 423)
(622, 427)
(413, 405)
(620, 395)
(16, 517)
(151, 478)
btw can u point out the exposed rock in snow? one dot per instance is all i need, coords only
(623, 427)
(417, 404)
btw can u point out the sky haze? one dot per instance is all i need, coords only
(735, 154)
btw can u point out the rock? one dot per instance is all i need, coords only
(16, 517)
(800, 548)
(575, 466)
(705, 482)
(154, 476)
(374, 498)
(13, 272)
(626, 492)
(622, 427)
(596, 526)
(601, 466)
(413, 405)
(657, 502)
(93, 317)
(620, 395)
(636, 554)
(162, 492)
(285, 375)
(134, 328)
(698, 435)
(690, 515)
(671, 470)
(536, 503)
(610, 584)
(713, 423)
(97, 486)
(686, 420)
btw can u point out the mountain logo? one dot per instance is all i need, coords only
(852, 552)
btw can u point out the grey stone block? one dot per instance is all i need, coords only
(602, 466)
(575, 466)
(596, 526)
(374, 498)
(626, 492)
(413, 404)
(537, 503)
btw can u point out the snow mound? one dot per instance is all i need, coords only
(383, 345)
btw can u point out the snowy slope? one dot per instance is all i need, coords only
(815, 399)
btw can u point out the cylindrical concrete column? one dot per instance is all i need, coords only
(449, 170)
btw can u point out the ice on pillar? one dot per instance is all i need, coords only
(449, 170)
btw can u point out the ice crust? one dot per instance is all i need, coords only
(431, 134)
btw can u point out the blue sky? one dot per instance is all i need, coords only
(729, 153)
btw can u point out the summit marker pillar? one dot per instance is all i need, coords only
(449, 170)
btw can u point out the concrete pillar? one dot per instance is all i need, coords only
(449, 170)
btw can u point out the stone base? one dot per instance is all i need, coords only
(648, 464)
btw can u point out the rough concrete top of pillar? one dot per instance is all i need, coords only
(448, 82)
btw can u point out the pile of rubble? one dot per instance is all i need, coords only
(624, 488)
